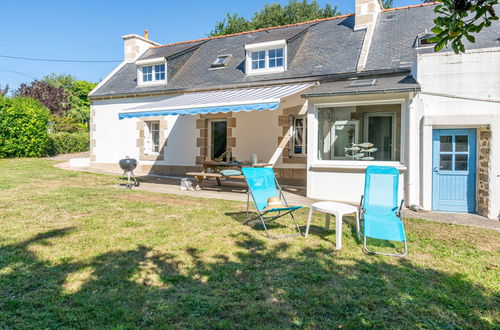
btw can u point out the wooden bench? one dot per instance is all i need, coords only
(200, 176)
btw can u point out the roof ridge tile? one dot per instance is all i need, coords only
(257, 30)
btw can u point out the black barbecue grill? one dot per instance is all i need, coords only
(128, 166)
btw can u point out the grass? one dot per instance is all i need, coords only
(76, 252)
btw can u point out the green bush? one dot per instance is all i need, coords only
(66, 124)
(23, 127)
(64, 142)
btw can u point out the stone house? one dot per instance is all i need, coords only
(304, 96)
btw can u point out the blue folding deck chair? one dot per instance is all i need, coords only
(380, 214)
(262, 184)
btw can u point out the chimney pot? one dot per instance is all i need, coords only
(146, 34)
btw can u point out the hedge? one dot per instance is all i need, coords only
(23, 127)
(64, 142)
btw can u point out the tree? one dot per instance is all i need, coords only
(275, 15)
(78, 94)
(461, 18)
(387, 4)
(56, 99)
(5, 90)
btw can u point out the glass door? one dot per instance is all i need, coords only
(218, 139)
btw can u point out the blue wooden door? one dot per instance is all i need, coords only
(454, 170)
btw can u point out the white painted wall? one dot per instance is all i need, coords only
(116, 138)
(256, 132)
(458, 91)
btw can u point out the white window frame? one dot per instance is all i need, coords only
(266, 47)
(304, 136)
(367, 115)
(313, 137)
(148, 137)
(151, 62)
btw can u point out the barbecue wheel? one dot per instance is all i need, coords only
(128, 186)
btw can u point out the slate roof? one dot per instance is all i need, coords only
(396, 32)
(318, 49)
(327, 47)
(169, 51)
(381, 84)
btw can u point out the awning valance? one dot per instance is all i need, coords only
(234, 100)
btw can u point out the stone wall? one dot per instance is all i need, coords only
(483, 191)
(92, 125)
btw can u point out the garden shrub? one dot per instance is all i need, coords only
(23, 127)
(65, 142)
(66, 124)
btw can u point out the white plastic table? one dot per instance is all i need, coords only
(337, 209)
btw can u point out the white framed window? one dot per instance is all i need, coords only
(267, 57)
(299, 136)
(152, 71)
(275, 57)
(258, 60)
(151, 137)
(336, 136)
(159, 70)
(380, 129)
(358, 133)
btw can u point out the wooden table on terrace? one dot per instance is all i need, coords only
(216, 167)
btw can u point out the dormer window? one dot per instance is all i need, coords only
(266, 57)
(151, 71)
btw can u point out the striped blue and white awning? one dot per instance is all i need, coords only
(234, 100)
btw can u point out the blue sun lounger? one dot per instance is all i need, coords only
(380, 214)
(262, 184)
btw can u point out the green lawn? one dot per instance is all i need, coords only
(76, 252)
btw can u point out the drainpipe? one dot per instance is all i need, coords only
(409, 149)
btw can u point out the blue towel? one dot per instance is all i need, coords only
(230, 172)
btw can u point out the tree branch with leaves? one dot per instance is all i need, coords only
(458, 19)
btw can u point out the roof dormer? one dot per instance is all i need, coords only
(151, 71)
(266, 57)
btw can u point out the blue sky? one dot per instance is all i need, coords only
(91, 30)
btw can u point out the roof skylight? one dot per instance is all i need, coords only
(363, 83)
(220, 61)
(423, 39)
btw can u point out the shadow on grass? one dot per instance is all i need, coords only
(258, 285)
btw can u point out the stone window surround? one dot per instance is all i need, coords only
(202, 125)
(284, 121)
(140, 140)
(483, 164)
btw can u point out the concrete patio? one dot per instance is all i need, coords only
(236, 190)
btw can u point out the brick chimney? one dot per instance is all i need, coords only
(365, 19)
(135, 45)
